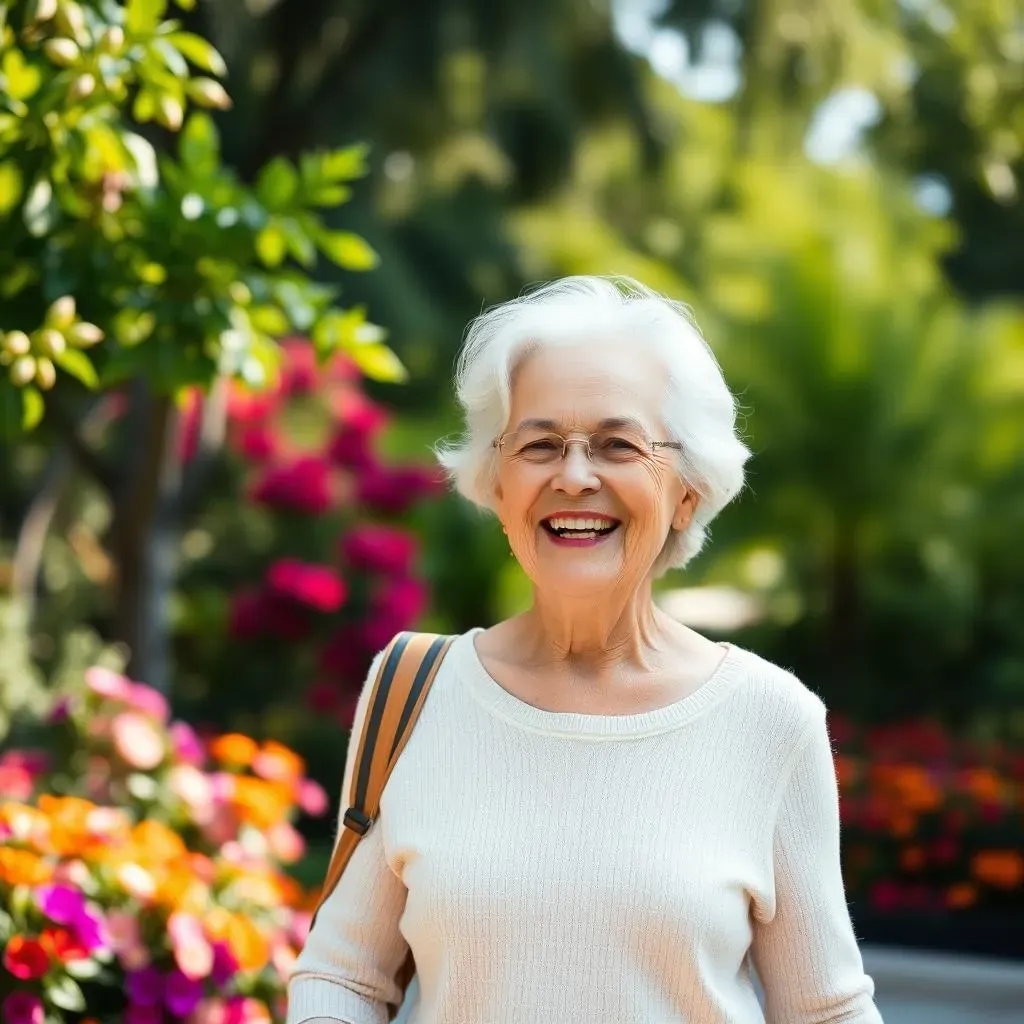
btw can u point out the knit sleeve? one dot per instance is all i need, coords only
(806, 953)
(346, 970)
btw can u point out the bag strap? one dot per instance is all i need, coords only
(407, 670)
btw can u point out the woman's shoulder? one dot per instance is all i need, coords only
(775, 696)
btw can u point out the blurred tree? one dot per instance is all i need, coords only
(131, 273)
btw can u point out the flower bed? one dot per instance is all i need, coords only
(933, 834)
(142, 869)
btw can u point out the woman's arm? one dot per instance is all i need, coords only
(806, 953)
(346, 970)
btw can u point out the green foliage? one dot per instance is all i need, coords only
(128, 259)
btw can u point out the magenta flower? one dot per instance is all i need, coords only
(259, 442)
(302, 485)
(182, 994)
(382, 549)
(318, 586)
(145, 987)
(90, 929)
(393, 491)
(60, 711)
(187, 748)
(22, 1008)
(60, 903)
(299, 368)
(261, 613)
(137, 1014)
(225, 966)
(400, 603)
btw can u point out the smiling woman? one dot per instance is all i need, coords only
(602, 816)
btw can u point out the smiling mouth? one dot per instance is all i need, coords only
(579, 527)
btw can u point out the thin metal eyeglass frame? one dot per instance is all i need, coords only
(499, 441)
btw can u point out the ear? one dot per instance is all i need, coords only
(685, 509)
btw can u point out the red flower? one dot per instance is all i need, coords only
(318, 586)
(303, 485)
(393, 491)
(245, 406)
(886, 896)
(383, 549)
(62, 945)
(26, 958)
(261, 613)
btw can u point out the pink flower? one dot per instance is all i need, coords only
(192, 952)
(299, 368)
(244, 1010)
(151, 703)
(194, 789)
(312, 798)
(209, 1011)
(302, 485)
(375, 548)
(126, 940)
(187, 748)
(256, 614)
(15, 780)
(245, 406)
(137, 740)
(400, 603)
(22, 1008)
(286, 845)
(318, 586)
(107, 683)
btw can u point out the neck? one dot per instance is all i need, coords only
(588, 634)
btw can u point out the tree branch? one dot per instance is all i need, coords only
(76, 439)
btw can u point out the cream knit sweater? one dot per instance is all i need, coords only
(555, 868)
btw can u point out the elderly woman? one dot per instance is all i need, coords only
(601, 815)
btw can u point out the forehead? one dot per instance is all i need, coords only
(582, 384)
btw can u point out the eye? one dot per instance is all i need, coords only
(618, 446)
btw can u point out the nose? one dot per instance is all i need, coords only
(576, 472)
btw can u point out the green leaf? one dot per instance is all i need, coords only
(41, 208)
(201, 53)
(84, 970)
(269, 320)
(277, 184)
(337, 165)
(347, 250)
(10, 187)
(172, 58)
(21, 80)
(65, 994)
(32, 407)
(300, 245)
(328, 195)
(271, 245)
(11, 411)
(378, 362)
(143, 16)
(200, 146)
(78, 364)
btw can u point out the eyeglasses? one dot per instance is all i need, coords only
(604, 447)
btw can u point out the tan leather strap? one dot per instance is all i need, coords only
(406, 672)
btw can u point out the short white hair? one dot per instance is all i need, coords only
(699, 410)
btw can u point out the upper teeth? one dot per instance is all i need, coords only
(580, 524)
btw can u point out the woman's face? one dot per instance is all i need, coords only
(576, 522)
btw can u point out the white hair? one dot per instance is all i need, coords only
(699, 410)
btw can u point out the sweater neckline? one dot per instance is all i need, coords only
(493, 696)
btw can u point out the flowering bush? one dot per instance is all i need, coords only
(929, 822)
(325, 575)
(141, 867)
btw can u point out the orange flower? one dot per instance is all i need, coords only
(156, 842)
(984, 785)
(276, 762)
(261, 803)
(1002, 869)
(26, 824)
(69, 823)
(912, 858)
(961, 895)
(234, 748)
(62, 946)
(23, 867)
(245, 941)
(847, 771)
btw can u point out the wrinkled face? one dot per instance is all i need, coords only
(575, 521)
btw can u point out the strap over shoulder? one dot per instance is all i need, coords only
(407, 670)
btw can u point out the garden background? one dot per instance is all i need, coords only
(239, 243)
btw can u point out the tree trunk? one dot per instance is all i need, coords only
(144, 538)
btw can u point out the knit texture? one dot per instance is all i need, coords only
(560, 867)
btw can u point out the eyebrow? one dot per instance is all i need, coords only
(612, 423)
